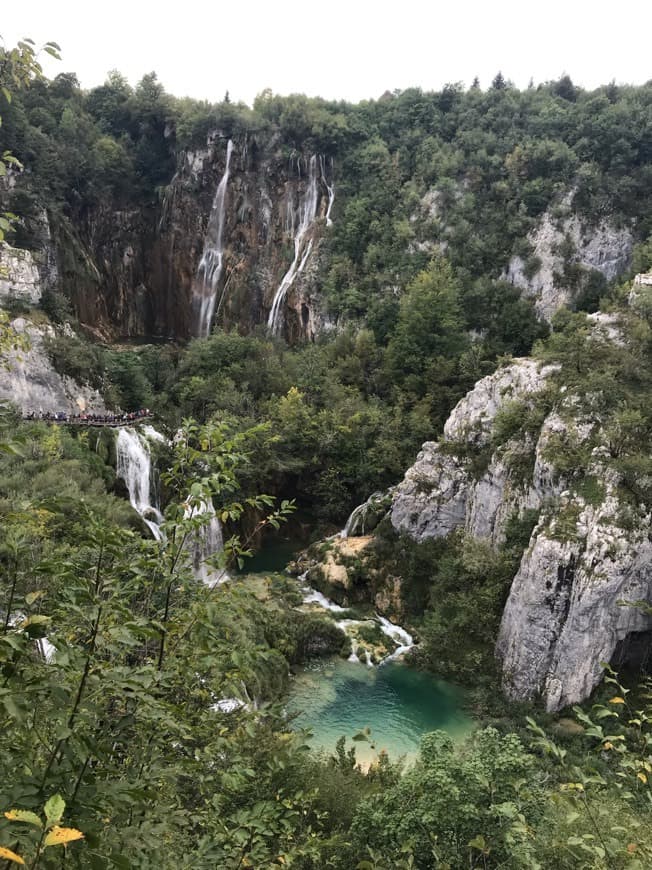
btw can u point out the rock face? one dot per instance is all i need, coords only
(349, 571)
(588, 552)
(568, 242)
(439, 494)
(564, 614)
(28, 379)
(131, 272)
(19, 275)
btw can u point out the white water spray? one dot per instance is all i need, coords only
(208, 542)
(205, 286)
(134, 466)
(402, 638)
(302, 249)
(315, 597)
(331, 191)
(355, 525)
(399, 635)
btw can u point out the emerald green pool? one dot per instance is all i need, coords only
(398, 704)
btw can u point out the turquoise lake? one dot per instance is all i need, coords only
(398, 704)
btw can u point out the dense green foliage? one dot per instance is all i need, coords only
(119, 734)
(120, 721)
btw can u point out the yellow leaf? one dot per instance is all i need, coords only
(616, 700)
(642, 777)
(60, 836)
(608, 745)
(24, 816)
(10, 856)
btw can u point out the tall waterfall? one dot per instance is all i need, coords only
(331, 191)
(307, 215)
(205, 285)
(134, 466)
(207, 542)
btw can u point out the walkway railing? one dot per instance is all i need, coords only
(114, 421)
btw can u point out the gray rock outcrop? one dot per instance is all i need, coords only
(440, 494)
(590, 554)
(28, 379)
(570, 603)
(604, 248)
(19, 275)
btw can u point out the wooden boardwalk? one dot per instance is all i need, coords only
(109, 422)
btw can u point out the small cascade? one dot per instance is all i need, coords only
(134, 467)
(205, 286)
(302, 249)
(315, 597)
(227, 705)
(399, 635)
(331, 192)
(356, 523)
(46, 649)
(402, 638)
(153, 435)
(208, 542)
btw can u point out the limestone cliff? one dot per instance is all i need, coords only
(445, 490)
(589, 556)
(28, 379)
(130, 272)
(566, 251)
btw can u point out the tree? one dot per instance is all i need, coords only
(18, 67)
(429, 322)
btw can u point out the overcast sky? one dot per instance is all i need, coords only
(340, 49)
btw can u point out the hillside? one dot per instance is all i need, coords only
(422, 309)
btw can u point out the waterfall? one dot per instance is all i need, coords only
(402, 638)
(312, 596)
(331, 192)
(134, 466)
(307, 215)
(204, 290)
(399, 635)
(207, 542)
(355, 525)
(46, 649)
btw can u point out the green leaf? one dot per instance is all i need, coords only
(31, 597)
(54, 810)
(478, 843)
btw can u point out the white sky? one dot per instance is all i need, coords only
(348, 49)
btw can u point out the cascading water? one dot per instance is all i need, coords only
(134, 466)
(403, 639)
(302, 249)
(399, 635)
(331, 192)
(205, 286)
(356, 523)
(207, 543)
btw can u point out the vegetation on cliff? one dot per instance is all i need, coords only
(144, 710)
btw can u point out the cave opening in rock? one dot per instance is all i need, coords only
(633, 654)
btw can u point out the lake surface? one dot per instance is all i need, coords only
(337, 697)
(274, 557)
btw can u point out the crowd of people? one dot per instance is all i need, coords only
(85, 418)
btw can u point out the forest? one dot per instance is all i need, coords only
(115, 657)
